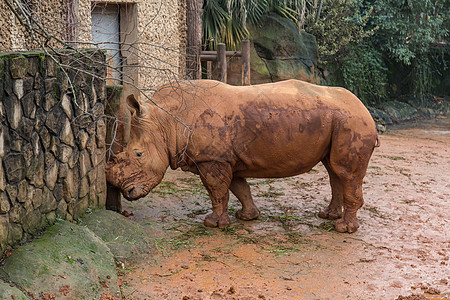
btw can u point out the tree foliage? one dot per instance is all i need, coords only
(407, 29)
(340, 23)
(227, 21)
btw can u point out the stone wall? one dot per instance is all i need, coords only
(52, 141)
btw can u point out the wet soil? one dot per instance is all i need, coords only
(400, 251)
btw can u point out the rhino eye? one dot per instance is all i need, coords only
(138, 154)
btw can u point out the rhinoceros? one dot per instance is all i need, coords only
(228, 133)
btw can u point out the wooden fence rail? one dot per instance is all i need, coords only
(220, 57)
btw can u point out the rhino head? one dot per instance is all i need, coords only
(142, 164)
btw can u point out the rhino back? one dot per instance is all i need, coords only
(270, 130)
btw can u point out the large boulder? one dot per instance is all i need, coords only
(66, 262)
(76, 261)
(286, 51)
(279, 51)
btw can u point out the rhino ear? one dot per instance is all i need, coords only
(134, 106)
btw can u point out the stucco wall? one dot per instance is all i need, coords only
(52, 142)
(160, 42)
(52, 14)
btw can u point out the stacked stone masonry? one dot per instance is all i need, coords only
(52, 141)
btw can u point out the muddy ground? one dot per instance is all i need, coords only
(401, 248)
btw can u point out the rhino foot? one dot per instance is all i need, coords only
(247, 215)
(343, 225)
(330, 214)
(213, 220)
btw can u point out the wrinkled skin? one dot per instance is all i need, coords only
(227, 133)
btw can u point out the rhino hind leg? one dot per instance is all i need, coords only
(240, 188)
(216, 177)
(350, 170)
(334, 209)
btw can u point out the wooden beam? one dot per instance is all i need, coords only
(246, 62)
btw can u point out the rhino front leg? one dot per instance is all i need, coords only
(240, 188)
(216, 178)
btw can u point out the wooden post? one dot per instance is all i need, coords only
(246, 62)
(209, 69)
(222, 62)
(114, 108)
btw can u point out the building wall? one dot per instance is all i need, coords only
(160, 40)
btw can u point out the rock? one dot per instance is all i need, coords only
(35, 143)
(2, 179)
(45, 137)
(15, 233)
(70, 183)
(58, 192)
(101, 133)
(49, 101)
(18, 88)
(98, 110)
(53, 121)
(287, 52)
(93, 201)
(10, 292)
(17, 214)
(74, 158)
(2, 141)
(52, 175)
(63, 169)
(18, 67)
(28, 154)
(37, 82)
(35, 172)
(28, 85)
(65, 250)
(4, 229)
(85, 163)
(81, 207)
(14, 164)
(13, 111)
(50, 67)
(399, 111)
(49, 85)
(29, 107)
(84, 121)
(48, 201)
(84, 187)
(33, 222)
(64, 153)
(61, 210)
(12, 192)
(83, 138)
(37, 198)
(66, 135)
(4, 203)
(54, 142)
(127, 240)
(26, 129)
(49, 160)
(91, 145)
(51, 218)
(22, 191)
(66, 105)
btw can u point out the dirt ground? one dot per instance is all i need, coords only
(401, 248)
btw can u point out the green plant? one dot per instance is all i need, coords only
(364, 72)
(226, 21)
(340, 23)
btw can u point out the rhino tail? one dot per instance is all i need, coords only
(377, 143)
